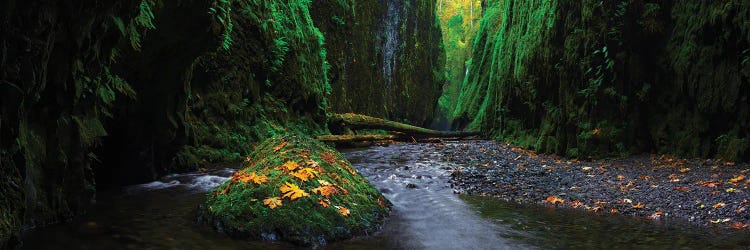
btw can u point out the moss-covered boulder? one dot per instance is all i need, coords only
(298, 190)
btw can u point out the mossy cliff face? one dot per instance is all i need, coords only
(597, 78)
(297, 190)
(271, 80)
(386, 57)
(56, 89)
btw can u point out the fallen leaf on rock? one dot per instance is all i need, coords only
(280, 146)
(576, 204)
(738, 225)
(305, 174)
(717, 221)
(554, 200)
(730, 190)
(325, 191)
(729, 163)
(614, 211)
(737, 179)
(272, 202)
(683, 170)
(323, 203)
(328, 157)
(638, 206)
(719, 205)
(709, 184)
(343, 211)
(626, 200)
(292, 191)
(681, 189)
(620, 177)
(290, 166)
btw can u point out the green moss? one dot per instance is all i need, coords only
(600, 78)
(238, 208)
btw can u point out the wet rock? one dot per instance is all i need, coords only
(297, 190)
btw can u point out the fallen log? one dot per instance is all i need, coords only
(356, 121)
(355, 138)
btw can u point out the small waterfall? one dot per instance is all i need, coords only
(390, 33)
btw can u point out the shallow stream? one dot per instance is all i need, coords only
(427, 215)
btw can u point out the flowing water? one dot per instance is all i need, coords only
(427, 215)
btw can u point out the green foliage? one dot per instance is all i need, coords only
(596, 78)
(240, 209)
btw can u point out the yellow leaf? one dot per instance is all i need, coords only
(683, 170)
(731, 190)
(258, 179)
(343, 211)
(638, 206)
(554, 200)
(290, 165)
(717, 221)
(324, 182)
(325, 190)
(719, 205)
(272, 202)
(292, 191)
(280, 146)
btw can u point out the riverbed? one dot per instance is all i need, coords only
(427, 214)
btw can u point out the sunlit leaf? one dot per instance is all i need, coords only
(292, 191)
(554, 200)
(719, 205)
(683, 170)
(272, 202)
(325, 190)
(290, 166)
(738, 225)
(343, 211)
(717, 221)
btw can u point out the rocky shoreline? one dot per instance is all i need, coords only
(656, 187)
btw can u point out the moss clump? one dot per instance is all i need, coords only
(298, 190)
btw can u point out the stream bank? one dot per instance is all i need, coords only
(708, 192)
(427, 214)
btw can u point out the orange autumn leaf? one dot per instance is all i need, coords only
(328, 157)
(258, 179)
(280, 146)
(738, 225)
(620, 177)
(737, 179)
(290, 166)
(638, 206)
(554, 200)
(343, 211)
(719, 205)
(576, 204)
(323, 203)
(272, 202)
(325, 190)
(305, 174)
(292, 191)
(381, 202)
(681, 189)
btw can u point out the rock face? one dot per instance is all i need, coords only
(297, 190)
(597, 78)
(386, 57)
(96, 95)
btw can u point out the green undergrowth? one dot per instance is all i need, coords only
(299, 190)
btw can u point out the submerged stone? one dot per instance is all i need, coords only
(297, 190)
